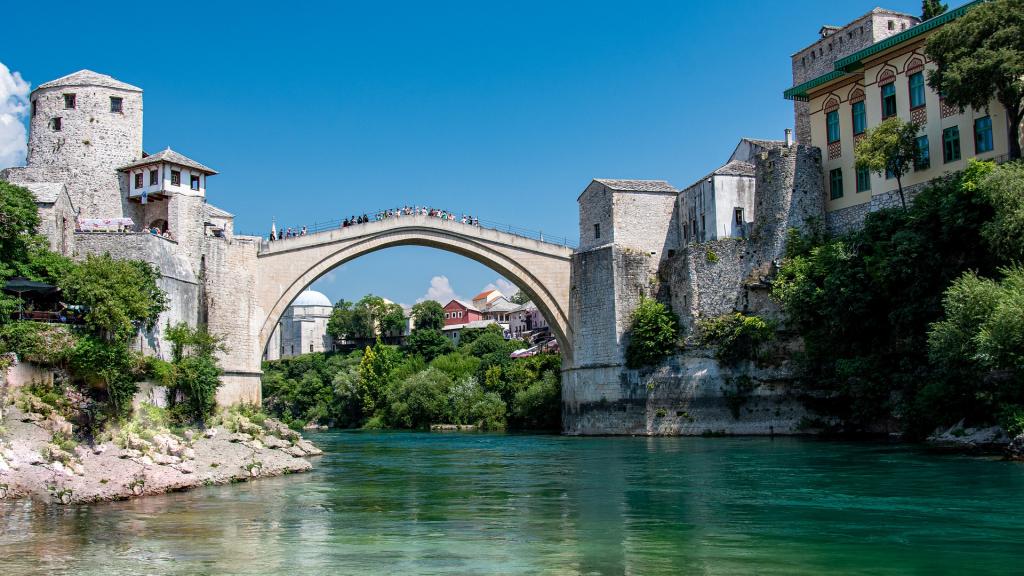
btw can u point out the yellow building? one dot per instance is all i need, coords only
(889, 79)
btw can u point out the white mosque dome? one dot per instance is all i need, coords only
(312, 298)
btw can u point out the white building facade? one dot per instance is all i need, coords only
(303, 328)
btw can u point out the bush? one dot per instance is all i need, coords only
(865, 302)
(539, 405)
(428, 343)
(736, 336)
(45, 344)
(653, 334)
(418, 400)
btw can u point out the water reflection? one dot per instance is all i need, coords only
(386, 503)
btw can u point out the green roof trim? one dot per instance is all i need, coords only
(854, 61)
(800, 92)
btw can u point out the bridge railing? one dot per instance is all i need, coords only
(329, 225)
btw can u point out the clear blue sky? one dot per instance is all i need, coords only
(313, 111)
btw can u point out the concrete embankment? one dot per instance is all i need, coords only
(35, 462)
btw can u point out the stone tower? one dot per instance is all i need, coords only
(84, 127)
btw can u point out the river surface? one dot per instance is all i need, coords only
(418, 503)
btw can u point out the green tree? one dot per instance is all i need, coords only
(419, 400)
(1004, 187)
(374, 374)
(341, 325)
(519, 297)
(195, 373)
(980, 57)
(428, 315)
(428, 343)
(932, 8)
(19, 220)
(392, 319)
(889, 147)
(736, 336)
(120, 295)
(653, 334)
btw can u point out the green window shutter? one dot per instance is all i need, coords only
(923, 160)
(917, 90)
(888, 100)
(863, 179)
(860, 121)
(983, 135)
(832, 126)
(835, 180)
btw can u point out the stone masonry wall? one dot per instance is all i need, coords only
(850, 219)
(647, 222)
(790, 194)
(689, 394)
(706, 280)
(595, 205)
(229, 282)
(177, 278)
(91, 144)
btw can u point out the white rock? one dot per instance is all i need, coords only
(210, 432)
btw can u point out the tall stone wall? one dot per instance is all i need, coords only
(790, 194)
(177, 278)
(706, 280)
(90, 146)
(229, 285)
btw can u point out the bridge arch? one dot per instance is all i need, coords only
(540, 269)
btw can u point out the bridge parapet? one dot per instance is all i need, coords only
(540, 269)
(508, 236)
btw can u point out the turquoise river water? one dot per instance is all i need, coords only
(418, 503)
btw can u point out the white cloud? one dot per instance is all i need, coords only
(440, 291)
(13, 108)
(501, 285)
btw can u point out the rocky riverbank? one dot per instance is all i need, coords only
(38, 459)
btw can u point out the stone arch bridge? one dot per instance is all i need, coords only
(540, 269)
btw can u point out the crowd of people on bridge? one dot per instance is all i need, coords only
(410, 211)
(288, 232)
(383, 215)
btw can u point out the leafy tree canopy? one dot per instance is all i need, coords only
(979, 57)
(428, 315)
(653, 334)
(121, 295)
(889, 147)
(932, 8)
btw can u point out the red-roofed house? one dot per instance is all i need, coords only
(461, 312)
(484, 299)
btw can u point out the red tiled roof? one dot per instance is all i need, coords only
(482, 295)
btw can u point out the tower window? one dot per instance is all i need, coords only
(892, 25)
(175, 178)
(194, 181)
(138, 180)
(69, 101)
(738, 213)
(35, 109)
(597, 230)
(116, 104)
(56, 124)
(153, 178)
